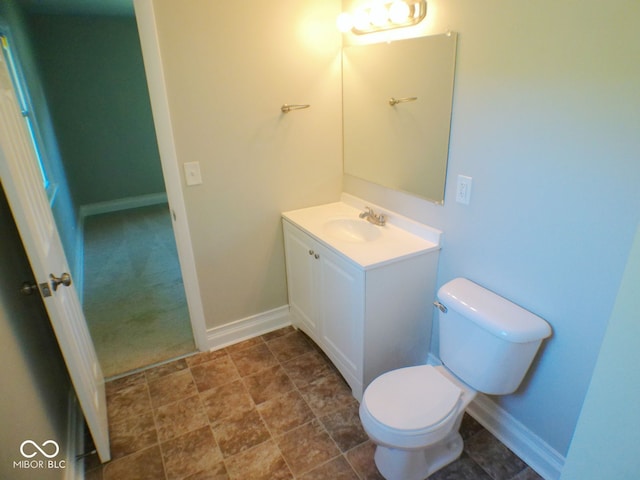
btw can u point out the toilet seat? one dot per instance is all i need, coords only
(411, 401)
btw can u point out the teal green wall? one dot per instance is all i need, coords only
(96, 88)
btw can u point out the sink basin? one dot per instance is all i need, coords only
(338, 226)
(352, 230)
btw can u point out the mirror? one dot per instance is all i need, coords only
(397, 113)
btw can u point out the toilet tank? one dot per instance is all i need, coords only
(486, 340)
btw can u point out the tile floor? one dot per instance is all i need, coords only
(272, 407)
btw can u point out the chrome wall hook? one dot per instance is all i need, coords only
(395, 101)
(286, 108)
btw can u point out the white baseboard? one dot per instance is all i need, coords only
(534, 451)
(246, 328)
(122, 204)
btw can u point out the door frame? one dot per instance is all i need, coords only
(147, 30)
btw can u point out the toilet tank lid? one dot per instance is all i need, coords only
(492, 312)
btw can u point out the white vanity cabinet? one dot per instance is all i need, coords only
(326, 300)
(368, 319)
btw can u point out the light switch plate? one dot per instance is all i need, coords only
(463, 189)
(192, 173)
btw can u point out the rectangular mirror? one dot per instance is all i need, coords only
(397, 100)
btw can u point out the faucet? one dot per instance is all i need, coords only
(372, 217)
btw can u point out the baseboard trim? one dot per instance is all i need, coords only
(74, 470)
(122, 204)
(534, 451)
(246, 328)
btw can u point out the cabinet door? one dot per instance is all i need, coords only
(342, 314)
(301, 282)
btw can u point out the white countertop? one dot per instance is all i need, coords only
(399, 238)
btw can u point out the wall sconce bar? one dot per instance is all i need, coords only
(381, 15)
(286, 108)
(395, 101)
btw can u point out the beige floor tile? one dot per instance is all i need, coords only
(268, 383)
(336, 469)
(285, 412)
(125, 382)
(236, 347)
(306, 368)
(171, 388)
(269, 408)
(132, 434)
(142, 465)
(327, 393)
(345, 428)
(263, 462)
(307, 447)
(127, 402)
(227, 401)
(176, 419)
(278, 333)
(191, 453)
(361, 458)
(203, 357)
(214, 373)
(241, 432)
(289, 346)
(253, 359)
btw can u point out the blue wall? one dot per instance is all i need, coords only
(545, 120)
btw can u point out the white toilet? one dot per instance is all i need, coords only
(413, 414)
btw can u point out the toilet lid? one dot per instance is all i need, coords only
(412, 398)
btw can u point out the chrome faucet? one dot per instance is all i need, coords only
(372, 217)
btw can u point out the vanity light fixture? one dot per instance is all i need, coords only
(382, 15)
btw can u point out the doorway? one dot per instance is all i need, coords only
(134, 297)
(96, 91)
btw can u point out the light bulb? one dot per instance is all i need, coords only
(344, 22)
(361, 20)
(399, 12)
(379, 15)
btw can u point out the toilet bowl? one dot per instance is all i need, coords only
(408, 410)
(413, 414)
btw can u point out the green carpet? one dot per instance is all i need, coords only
(134, 298)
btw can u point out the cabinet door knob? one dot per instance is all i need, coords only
(316, 256)
(310, 252)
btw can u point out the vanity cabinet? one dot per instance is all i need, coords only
(326, 299)
(368, 320)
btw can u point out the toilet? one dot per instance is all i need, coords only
(413, 414)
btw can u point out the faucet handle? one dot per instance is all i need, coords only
(367, 212)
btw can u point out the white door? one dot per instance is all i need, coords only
(21, 179)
